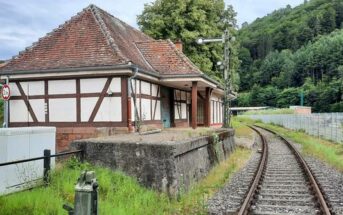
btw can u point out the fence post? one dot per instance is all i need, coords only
(47, 166)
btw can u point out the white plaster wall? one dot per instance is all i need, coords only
(62, 87)
(183, 111)
(176, 111)
(138, 106)
(146, 109)
(92, 85)
(145, 87)
(133, 82)
(14, 89)
(157, 110)
(87, 107)
(154, 89)
(115, 85)
(33, 88)
(132, 110)
(18, 111)
(62, 110)
(38, 108)
(110, 110)
(137, 87)
(221, 113)
(211, 112)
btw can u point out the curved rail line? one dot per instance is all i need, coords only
(245, 208)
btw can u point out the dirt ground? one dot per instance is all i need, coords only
(172, 134)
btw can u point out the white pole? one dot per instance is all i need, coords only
(6, 109)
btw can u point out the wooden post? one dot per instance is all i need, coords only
(46, 166)
(207, 112)
(194, 104)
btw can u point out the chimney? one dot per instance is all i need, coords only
(178, 45)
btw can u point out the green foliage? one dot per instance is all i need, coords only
(298, 48)
(290, 28)
(315, 68)
(287, 97)
(269, 111)
(119, 194)
(187, 20)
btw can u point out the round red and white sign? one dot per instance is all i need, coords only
(5, 92)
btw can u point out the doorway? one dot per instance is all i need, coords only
(166, 106)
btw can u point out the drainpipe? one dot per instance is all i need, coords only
(6, 108)
(133, 94)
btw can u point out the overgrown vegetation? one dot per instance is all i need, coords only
(331, 153)
(294, 51)
(119, 194)
(269, 111)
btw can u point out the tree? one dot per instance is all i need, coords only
(187, 20)
(328, 22)
(314, 24)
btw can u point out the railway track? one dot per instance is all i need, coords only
(283, 183)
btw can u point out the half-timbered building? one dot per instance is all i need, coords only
(96, 75)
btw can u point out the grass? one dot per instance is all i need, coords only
(194, 202)
(269, 111)
(327, 151)
(119, 194)
(241, 129)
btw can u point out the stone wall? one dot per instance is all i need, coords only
(169, 166)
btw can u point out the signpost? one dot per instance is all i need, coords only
(5, 92)
(6, 95)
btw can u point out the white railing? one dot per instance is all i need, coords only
(324, 125)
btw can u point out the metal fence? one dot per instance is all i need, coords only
(324, 125)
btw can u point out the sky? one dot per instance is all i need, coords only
(23, 22)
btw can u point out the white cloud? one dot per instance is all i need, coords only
(24, 21)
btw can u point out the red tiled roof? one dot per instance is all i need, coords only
(95, 38)
(165, 58)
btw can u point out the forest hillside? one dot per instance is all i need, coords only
(294, 51)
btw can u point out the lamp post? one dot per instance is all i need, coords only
(226, 39)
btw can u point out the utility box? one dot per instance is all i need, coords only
(24, 143)
(86, 194)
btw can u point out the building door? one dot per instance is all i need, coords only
(166, 106)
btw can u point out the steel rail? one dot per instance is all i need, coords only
(257, 178)
(317, 191)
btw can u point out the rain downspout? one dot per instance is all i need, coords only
(133, 94)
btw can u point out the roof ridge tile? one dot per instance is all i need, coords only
(106, 31)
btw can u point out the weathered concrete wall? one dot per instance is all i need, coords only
(169, 166)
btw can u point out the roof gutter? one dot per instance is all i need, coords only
(129, 66)
(64, 70)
